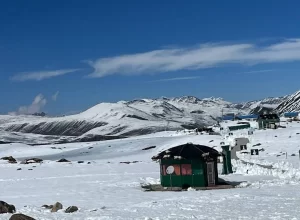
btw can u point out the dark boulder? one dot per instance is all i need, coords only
(32, 160)
(6, 208)
(72, 209)
(20, 217)
(63, 160)
(57, 206)
(10, 159)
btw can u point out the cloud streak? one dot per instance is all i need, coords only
(41, 75)
(55, 96)
(197, 57)
(176, 79)
(257, 71)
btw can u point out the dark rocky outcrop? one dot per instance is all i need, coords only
(41, 114)
(10, 159)
(261, 110)
(290, 104)
(20, 217)
(148, 148)
(6, 208)
(71, 209)
(5, 142)
(32, 160)
(91, 137)
(63, 160)
(136, 117)
(62, 128)
(197, 112)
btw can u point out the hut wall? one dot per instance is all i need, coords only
(186, 173)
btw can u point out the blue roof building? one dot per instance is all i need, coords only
(291, 114)
(247, 116)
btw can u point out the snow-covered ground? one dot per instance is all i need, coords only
(107, 189)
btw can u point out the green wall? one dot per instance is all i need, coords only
(197, 179)
(264, 123)
(237, 127)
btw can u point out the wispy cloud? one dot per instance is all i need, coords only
(41, 75)
(177, 78)
(55, 96)
(36, 106)
(256, 71)
(197, 57)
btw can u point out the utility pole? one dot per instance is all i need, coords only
(222, 114)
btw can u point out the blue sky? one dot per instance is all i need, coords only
(64, 56)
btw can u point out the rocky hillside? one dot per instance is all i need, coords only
(290, 104)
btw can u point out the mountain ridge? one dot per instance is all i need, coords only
(135, 117)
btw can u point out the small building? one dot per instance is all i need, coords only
(239, 126)
(247, 117)
(291, 114)
(188, 165)
(228, 117)
(239, 145)
(268, 121)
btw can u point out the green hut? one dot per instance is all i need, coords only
(268, 121)
(188, 165)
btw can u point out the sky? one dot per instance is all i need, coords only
(63, 56)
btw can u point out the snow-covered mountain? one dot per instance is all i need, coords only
(260, 106)
(290, 104)
(127, 118)
(124, 118)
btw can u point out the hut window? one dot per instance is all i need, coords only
(176, 169)
(186, 169)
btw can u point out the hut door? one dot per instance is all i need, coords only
(210, 174)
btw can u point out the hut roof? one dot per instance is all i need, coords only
(269, 116)
(188, 151)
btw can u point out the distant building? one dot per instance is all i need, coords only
(268, 121)
(239, 126)
(228, 117)
(247, 117)
(291, 114)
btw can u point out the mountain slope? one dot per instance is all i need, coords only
(261, 106)
(290, 104)
(125, 118)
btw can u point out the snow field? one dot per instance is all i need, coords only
(107, 189)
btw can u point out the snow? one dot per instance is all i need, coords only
(269, 185)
